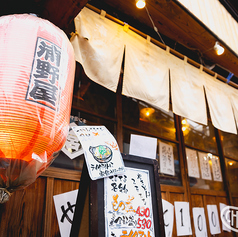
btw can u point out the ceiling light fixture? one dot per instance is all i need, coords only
(140, 4)
(218, 48)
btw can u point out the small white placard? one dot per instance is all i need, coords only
(204, 166)
(216, 169)
(225, 217)
(101, 151)
(192, 160)
(143, 146)
(213, 219)
(166, 158)
(168, 213)
(72, 147)
(65, 207)
(183, 223)
(199, 220)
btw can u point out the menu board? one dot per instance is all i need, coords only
(128, 204)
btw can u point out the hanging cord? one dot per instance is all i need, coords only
(155, 28)
(4, 195)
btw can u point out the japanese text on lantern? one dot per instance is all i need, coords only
(128, 204)
(44, 87)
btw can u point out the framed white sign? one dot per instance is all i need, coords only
(192, 160)
(166, 158)
(128, 204)
(101, 151)
(204, 166)
(182, 214)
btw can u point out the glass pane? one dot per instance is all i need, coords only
(64, 162)
(230, 144)
(164, 179)
(94, 98)
(199, 136)
(142, 116)
(89, 119)
(232, 173)
(203, 182)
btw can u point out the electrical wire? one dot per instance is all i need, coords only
(155, 28)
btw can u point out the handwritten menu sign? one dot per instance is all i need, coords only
(101, 151)
(216, 169)
(192, 159)
(166, 158)
(204, 165)
(128, 204)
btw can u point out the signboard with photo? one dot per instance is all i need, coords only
(101, 151)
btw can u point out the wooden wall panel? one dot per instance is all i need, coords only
(197, 201)
(23, 214)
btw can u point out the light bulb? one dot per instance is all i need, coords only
(219, 49)
(140, 4)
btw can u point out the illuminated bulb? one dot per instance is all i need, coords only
(219, 49)
(183, 128)
(230, 163)
(184, 121)
(147, 113)
(140, 4)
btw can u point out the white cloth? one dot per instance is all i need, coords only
(99, 48)
(215, 16)
(146, 72)
(219, 104)
(187, 92)
(232, 92)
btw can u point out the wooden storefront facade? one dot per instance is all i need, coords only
(31, 212)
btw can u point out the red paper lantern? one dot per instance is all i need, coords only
(37, 69)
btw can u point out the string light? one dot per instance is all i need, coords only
(140, 4)
(218, 48)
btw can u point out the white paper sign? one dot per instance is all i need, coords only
(168, 214)
(166, 158)
(192, 160)
(216, 169)
(199, 220)
(102, 154)
(213, 219)
(204, 166)
(72, 147)
(128, 204)
(65, 206)
(225, 217)
(182, 214)
(143, 146)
